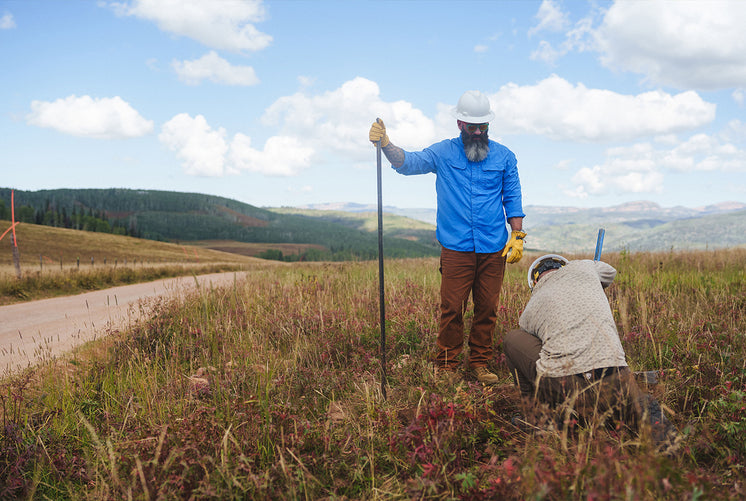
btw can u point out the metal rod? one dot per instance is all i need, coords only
(380, 271)
(599, 244)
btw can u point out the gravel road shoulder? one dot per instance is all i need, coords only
(40, 330)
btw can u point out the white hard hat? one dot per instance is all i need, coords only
(542, 264)
(473, 107)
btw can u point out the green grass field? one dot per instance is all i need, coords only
(271, 390)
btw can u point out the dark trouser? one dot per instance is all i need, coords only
(464, 273)
(611, 389)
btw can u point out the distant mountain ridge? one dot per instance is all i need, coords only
(349, 230)
(540, 214)
(633, 226)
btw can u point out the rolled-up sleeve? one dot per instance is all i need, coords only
(418, 162)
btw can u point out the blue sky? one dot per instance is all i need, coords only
(270, 103)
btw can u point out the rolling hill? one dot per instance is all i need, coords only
(177, 217)
(48, 247)
(344, 231)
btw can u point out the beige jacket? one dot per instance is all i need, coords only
(570, 313)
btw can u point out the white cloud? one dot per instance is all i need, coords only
(626, 170)
(562, 111)
(738, 96)
(705, 153)
(546, 53)
(641, 181)
(683, 44)
(152, 63)
(282, 156)
(550, 17)
(641, 167)
(338, 120)
(205, 151)
(334, 123)
(225, 24)
(481, 49)
(587, 181)
(103, 118)
(666, 139)
(563, 164)
(216, 69)
(7, 22)
(306, 81)
(201, 149)
(581, 38)
(735, 131)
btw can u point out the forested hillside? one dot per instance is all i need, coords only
(174, 216)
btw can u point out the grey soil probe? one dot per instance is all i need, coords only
(380, 271)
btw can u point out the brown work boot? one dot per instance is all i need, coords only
(484, 376)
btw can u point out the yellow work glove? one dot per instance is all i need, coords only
(378, 133)
(514, 247)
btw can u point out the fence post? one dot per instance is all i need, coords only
(16, 256)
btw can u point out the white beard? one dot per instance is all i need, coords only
(476, 152)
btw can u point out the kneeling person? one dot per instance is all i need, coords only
(567, 350)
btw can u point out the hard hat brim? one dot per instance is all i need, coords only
(472, 119)
(539, 260)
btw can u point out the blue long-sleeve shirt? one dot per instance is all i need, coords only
(474, 198)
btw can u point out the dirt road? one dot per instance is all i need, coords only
(39, 330)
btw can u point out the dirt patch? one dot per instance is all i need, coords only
(244, 220)
(255, 249)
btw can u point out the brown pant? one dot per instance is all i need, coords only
(464, 273)
(612, 390)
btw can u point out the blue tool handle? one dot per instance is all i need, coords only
(599, 244)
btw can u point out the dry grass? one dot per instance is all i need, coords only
(58, 261)
(53, 245)
(271, 390)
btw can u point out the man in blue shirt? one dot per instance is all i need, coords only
(478, 190)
